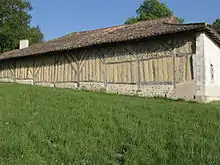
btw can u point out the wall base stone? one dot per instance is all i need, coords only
(144, 91)
(156, 90)
(186, 90)
(6, 80)
(25, 82)
(45, 84)
(91, 86)
(121, 89)
(208, 99)
(66, 85)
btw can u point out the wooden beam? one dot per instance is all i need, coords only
(14, 78)
(131, 72)
(138, 73)
(174, 67)
(143, 70)
(68, 60)
(102, 58)
(33, 74)
(105, 75)
(104, 71)
(54, 71)
(78, 73)
(186, 68)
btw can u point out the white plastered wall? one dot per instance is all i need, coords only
(212, 69)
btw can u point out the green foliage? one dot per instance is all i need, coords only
(15, 24)
(60, 126)
(180, 19)
(149, 10)
(216, 25)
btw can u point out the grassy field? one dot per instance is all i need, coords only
(60, 126)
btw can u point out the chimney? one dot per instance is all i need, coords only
(23, 44)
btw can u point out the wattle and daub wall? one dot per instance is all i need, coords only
(155, 67)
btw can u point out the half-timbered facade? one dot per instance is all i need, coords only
(151, 58)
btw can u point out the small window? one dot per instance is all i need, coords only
(212, 72)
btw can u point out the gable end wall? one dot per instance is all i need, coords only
(212, 69)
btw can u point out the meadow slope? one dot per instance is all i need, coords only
(61, 126)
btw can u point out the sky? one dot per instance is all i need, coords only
(57, 18)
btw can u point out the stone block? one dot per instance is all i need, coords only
(66, 85)
(45, 84)
(25, 82)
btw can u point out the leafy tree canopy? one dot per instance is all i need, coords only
(15, 24)
(151, 9)
(216, 25)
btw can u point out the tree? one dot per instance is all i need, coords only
(151, 9)
(15, 24)
(216, 25)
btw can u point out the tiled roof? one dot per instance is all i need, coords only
(121, 33)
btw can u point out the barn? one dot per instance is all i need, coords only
(150, 58)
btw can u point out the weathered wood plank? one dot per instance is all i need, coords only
(14, 64)
(146, 71)
(138, 73)
(143, 70)
(78, 73)
(150, 70)
(187, 68)
(174, 67)
(164, 69)
(190, 68)
(160, 69)
(54, 69)
(33, 72)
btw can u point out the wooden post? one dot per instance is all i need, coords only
(104, 72)
(138, 73)
(14, 79)
(143, 69)
(174, 66)
(105, 75)
(54, 71)
(33, 76)
(78, 73)
(186, 68)
(102, 57)
(64, 68)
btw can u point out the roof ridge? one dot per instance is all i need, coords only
(185, 24)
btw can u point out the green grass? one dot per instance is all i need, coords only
(60, 126)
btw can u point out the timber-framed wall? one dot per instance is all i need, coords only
(153, 67)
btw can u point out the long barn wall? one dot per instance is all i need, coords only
(148, 68)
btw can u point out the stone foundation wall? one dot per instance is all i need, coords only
(126, 89)
(146, 90)
(186, 90)
(156, 90)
